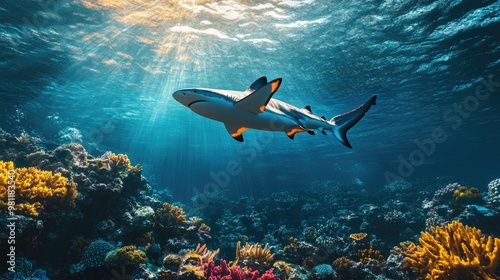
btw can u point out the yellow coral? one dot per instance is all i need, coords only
(126, 255)
(455, 251)
(467, 195)
(121, 163)
(358, 236)
(254, 253)
(192, 272)
(34, 187)
(283, 267)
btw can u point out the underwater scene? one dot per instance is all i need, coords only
(249, 140)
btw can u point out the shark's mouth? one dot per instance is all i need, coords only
(197, 101)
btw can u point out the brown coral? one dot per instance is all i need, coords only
(342, 263)
(168, 219)
(255, 254)
(33, 189)
(454, 251)
(370, 256)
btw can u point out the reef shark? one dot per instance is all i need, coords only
(256, 108)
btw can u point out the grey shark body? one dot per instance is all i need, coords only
(256, 109)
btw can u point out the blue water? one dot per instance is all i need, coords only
(107, 69)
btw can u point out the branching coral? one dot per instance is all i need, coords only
(127, 255)
(369, 256)
(342, 263)
(119, 163)
(168, 218)
(223, 271)
(255, 254)
(34, 188)
(207, 256)
(455, 251)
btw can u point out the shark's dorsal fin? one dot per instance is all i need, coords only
(308, 108)
(260, 82)
(256, 101)
(236, 131)
(323, 117)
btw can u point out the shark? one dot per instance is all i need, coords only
(255, 108)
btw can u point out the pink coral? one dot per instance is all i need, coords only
(224, 272)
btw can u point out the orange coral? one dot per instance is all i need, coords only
(34, 188)
(119, 163)
(358, 236)
(454, 251)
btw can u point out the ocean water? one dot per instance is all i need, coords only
(102, 73)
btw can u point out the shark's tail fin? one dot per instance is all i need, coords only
(343, 122)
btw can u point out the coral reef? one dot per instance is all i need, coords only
(223, 271)
(494, 193)
(96, 253)
(168, 219)
(455, 251)
(127, 255)
(114, 225)
(464, 195)
(324, 271)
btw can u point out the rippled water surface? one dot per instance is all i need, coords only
(102, 72)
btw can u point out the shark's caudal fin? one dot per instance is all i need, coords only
(347, 120)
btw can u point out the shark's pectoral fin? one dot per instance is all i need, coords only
(256, 101)
(236, 131)
(311, 132)
(291, 133)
